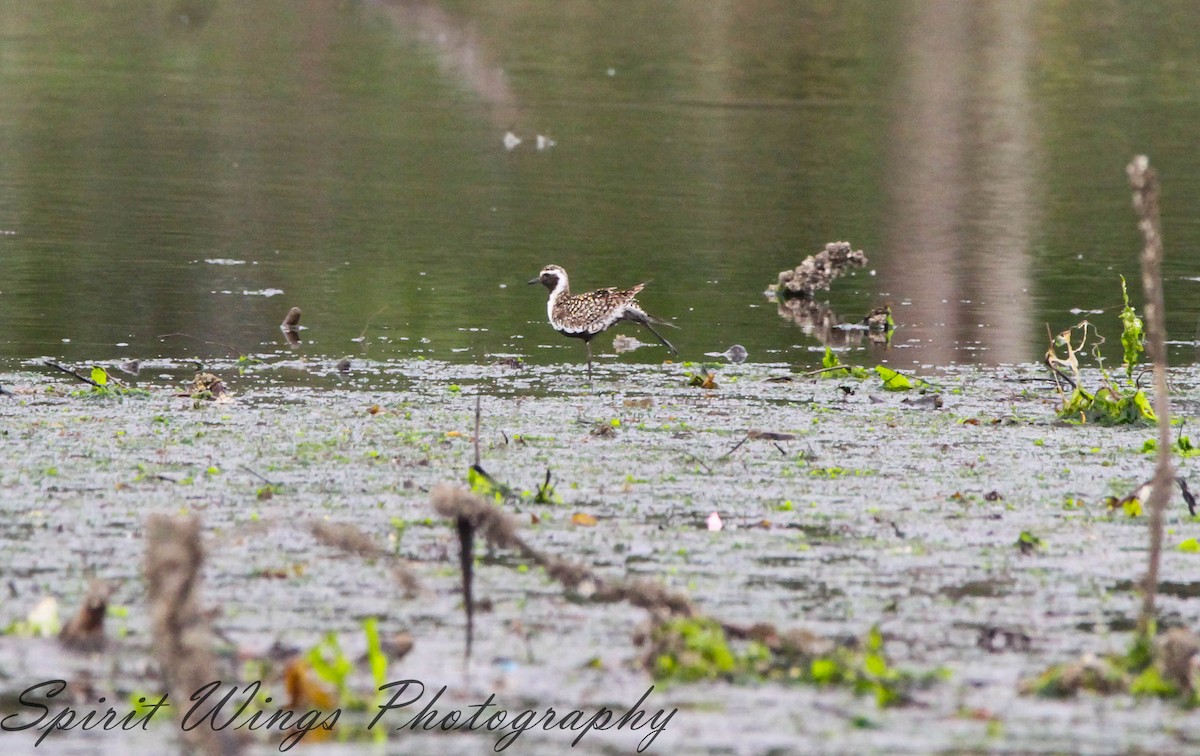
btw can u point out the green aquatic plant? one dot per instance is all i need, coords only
(104, 386)
(691, 649)
(1133, 336)
(696, 649)
(897, 381)
(1182, 446)
(1111, 404)
(832, 367)
(1158, 666)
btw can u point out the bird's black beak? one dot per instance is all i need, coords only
(534, 280)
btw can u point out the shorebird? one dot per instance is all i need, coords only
(584, 316)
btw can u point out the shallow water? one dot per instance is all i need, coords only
(876, 513)
(201, 166)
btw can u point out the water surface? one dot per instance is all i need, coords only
(201, 166)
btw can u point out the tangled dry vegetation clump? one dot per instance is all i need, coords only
(818, 271)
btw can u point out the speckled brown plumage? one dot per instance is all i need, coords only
(583, 316)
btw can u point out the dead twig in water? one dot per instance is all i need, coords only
(1144, 181)
(257, 475)
(72, 373)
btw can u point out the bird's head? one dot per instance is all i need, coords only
(550, 277)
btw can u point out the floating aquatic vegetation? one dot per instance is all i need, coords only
(690, 649)
(832, 367)
(1182, 446)
(103, 385)
(893, 380)
(1028, 543)
(1162, 667)
(705, 379)
(1111, 404)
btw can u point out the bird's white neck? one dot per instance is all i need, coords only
(560, 290)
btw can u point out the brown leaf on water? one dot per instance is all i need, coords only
(373, 409)
(645, 403)
(303, 688)
(584, 519)
(706, 380)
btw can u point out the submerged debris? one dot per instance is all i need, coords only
(818, 271)
(736, 353)
(291, 327)
(206, 386)
(623, 343)
(880, 319)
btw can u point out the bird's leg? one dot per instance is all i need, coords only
(588, 344)
(666, 343)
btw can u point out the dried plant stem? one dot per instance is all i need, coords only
(183, 638)
(1145, 203)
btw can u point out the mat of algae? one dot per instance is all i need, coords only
(878, 512)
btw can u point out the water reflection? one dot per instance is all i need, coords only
(961, 180)
(461, 50)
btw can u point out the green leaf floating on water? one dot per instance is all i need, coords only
(830, 363)
(100, 376)
(894, 381)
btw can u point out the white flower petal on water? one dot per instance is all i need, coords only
(511, 140)
(714, 522)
